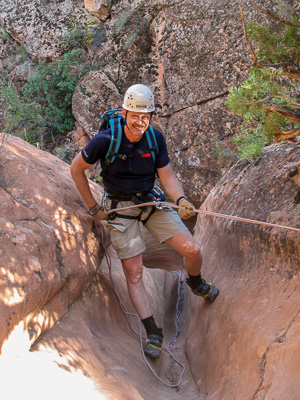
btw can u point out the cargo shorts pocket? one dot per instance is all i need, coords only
(126, 235)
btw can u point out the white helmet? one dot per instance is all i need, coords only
(139, 98)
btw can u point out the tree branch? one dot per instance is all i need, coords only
(292, 102)
(256, 62)
(282, 135)
(265, 11)
(295, 118)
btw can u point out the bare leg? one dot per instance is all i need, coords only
(186, 245)
(133, 270)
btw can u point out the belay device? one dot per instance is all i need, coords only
(114, 120)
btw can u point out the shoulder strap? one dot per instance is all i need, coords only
(116, 138)
(115, 124)
(152, 142)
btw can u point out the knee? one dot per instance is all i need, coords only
(134, 275)
(194, 252)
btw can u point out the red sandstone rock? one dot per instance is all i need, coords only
(241, 347)
(100, 8)
(49, 247)
(244, 346)
(50, 256)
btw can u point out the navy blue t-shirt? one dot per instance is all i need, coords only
(136, 174)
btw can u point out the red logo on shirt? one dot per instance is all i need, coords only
(146, 155)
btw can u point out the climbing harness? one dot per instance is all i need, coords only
(155, 196)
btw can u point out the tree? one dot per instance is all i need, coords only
(269, 99)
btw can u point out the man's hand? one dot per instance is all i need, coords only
(186, 209)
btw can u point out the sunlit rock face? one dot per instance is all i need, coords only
(49, 247)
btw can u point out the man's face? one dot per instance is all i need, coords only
(136, 123)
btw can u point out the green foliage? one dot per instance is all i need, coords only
(262, 87)
(4, 35)
(269, 96)
(44, 105)
(21, 50)
(251, 142)
(73, 39)
(275, 47)
(78, 36)
(21, 117)
(52, 86)
(3, 141)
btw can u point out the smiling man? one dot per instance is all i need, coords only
(130, 180)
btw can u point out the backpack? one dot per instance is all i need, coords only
(114, 120)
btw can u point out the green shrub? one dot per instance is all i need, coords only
(52, 86)
(78, 36)
(44, 105)
(21, 116)
(251, 142)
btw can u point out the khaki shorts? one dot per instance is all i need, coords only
(126, 235)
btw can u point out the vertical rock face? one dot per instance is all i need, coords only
(41, 25)
(189, 53)
(92, 97)
(243, 346)
(53, 288)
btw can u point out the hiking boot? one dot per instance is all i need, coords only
(206, 290)
(154, 346)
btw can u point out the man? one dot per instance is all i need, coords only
(127, 180)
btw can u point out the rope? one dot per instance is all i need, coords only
(212, 213)
(139, 333)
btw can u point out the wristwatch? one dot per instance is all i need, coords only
(95, 209)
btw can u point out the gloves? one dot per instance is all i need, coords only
(99, 213)
(186, 209)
